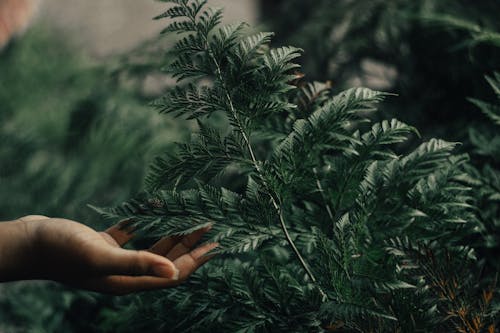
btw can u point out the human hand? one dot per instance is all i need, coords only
(74, 254)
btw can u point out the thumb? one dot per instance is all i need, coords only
(119, 261)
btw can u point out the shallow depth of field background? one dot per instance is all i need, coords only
(76, 129)
(105, 27)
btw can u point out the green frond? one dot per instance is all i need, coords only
(209, 20)
(183, 8)
(349, 312)
(313, 94)
(188, 46)
(179, 27)
(173, 12)
(185, 68)
(226, 38)
(241, 242)
(204, 158)
(189, 101)
(391, 286)
(478, 34)
(387, 133)
(195, 7)
(427, 156)
(177, 2)
(492, 111)
(253, 44)
(279, 61)
(327, 126)
(494, 82)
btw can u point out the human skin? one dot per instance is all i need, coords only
(38, 247)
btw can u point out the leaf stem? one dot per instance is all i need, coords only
(322, 192)
(257, 167)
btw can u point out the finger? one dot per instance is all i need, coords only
(122, 285)
(191, 261)
(121, 232)
(186, 243)
(164, 245)
(110, 240)
(118, 261)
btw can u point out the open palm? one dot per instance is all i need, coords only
(72, 253)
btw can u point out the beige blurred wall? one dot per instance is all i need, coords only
(104, 27)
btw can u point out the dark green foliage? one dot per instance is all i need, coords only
(47, 307)
(329, 213)
(68, 137)
(432, 53)
(485, 175)
(64, 126)
(458, 298)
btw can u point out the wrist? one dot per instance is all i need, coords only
(18, 251)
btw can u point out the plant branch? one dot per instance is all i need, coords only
(257, 167)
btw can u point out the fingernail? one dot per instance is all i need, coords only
(176, 274)
(166, 271)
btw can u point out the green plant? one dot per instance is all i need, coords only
(324, 207)
(485, 174)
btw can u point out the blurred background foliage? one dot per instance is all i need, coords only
(70, 131)
(77, 131)
(433, 53)
(73, 132)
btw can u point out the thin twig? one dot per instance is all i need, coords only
(320, 189)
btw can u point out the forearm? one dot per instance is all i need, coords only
(16, 251)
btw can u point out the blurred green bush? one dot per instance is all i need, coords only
(71, 134)
(432, 53)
